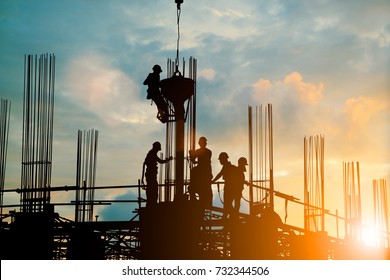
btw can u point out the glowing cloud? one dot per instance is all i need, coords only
(106, 91)
(262, 86)
(308, 93)
(359, 113)
(292, 85)
(207, 74)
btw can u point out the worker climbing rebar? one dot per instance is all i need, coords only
(154, 93)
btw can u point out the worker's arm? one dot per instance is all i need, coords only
(219, 175)
(164, 160)
(193, 156)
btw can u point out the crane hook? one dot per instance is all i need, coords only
(178, 2)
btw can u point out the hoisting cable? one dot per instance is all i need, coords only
(261, 201)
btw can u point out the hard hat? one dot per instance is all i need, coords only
(157, 68)
(242, 161)
(223, 155)
(157, 145)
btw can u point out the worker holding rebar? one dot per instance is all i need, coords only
(154, 93)
(201, 174)
(151, 161)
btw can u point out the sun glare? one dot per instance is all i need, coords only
(370, 237)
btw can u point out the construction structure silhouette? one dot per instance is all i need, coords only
(176, 227)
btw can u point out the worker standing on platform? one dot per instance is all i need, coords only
(150, 162)
(154, 93)
(201, 174)
(227, 172)
(238, 185)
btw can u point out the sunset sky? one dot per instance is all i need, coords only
(324, 65)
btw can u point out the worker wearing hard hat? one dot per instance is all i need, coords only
(227, 173)
(201, 174)
(154, 93)
(150, 163)
(239, 181)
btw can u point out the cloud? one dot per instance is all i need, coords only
(292, 86)
(359, 114)
(307, 93)
(323, 23)
(262, 86)
(93, 82)
(207, 74)
(227, 12)
(120, 211)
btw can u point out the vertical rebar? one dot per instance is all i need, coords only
(250, 144)
(381, 212)
(173, 137)
(352, 200)
(261, 156)
(5, 111)
(37, 134)
(87, 143)
(314, 190)
(271, 155)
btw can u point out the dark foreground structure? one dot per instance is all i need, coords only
(175, 227)
(173, 230)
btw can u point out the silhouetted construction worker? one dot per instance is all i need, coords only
(154, 93)
(227, 172)
(238, 185)
(201, 174)
(150, 162)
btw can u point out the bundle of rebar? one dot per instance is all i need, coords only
(260, 127)
(352, 200)
(5, 110)
(314, 183)
(168, 191)
(87, 143)
(37, 134)
(381, 212)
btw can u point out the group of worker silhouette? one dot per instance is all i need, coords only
(201, 178)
